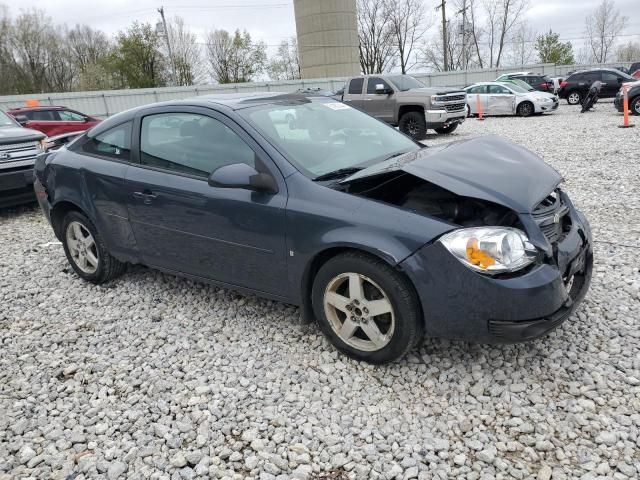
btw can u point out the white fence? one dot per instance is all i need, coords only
(107, 102)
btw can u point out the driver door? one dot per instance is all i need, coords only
(182, 224)
(379, 105)
(500, 100)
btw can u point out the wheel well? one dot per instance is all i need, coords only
(316, 264)
(525, 101)
(59, 212)
(409, 108)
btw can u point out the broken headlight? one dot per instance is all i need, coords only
(490, 250)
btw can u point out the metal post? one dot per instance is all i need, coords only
(445, 62)
(166, 36)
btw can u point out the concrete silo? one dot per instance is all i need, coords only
(327, 38)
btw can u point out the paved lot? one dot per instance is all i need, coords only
(157, 377)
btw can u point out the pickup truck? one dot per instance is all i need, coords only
(19, 147)
(403, 101)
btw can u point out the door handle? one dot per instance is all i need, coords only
(147, 197)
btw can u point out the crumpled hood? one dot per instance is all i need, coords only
(488, 168)
(11, 134)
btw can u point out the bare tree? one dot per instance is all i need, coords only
(602, 29)
(502, 17)
(377, 50)
(234, 58)
(476, 31)
(87, 46)
(409, 24)
(629, 52)
(187, 57)
(521, 45)
(285, 64)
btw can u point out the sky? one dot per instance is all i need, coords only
(273, 20)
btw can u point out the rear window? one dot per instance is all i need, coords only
(114, 143)
(355, 87)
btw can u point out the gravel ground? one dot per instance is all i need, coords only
(158, 377)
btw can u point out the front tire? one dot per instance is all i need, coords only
(414, 125)
(367, 309)
(526, 109)
(574, 98)
(86, 251)
(447, 130)
(634, 106)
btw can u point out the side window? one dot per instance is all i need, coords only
(355, 86)
(42, 116)
(191, 144)
(478, 89)
(114, 143)
(498, 90)
(67, 116)
(372, 82)
(592, 77)
(610, 78)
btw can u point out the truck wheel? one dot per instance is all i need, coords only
(447, 130)
(574, 98)
(414, 125)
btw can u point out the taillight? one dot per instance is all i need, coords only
(544, 86)
(563, 83)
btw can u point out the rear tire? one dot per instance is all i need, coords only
(526, 109)
(414, 125)
(574, 98)
(86, 251)
(348, 289)
(447, 130)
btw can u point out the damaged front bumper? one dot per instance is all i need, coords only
(459, 303)
(443, 118)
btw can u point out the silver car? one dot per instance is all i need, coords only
(497, 98)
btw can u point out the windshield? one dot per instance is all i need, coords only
(320, 136)
(5, 121)
(405, 82)
(517, 88)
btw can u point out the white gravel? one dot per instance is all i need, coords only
(158, 377)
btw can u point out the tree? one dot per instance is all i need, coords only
(375, 32)
(285, 65)
(408, 25)
(629, 52)
(502, 17)
(136, 60)
(234, 58)
(602, 29)
(89, 50)
(552, 50)
(520, 42)
(187, 57)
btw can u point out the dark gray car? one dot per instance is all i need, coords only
(376, 236)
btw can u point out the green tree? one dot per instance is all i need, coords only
(136, 61)
(552, 50)
(234, 58)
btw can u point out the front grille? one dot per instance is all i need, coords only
(454, 98)
(18, 147)
(551, 216)
(455, 107)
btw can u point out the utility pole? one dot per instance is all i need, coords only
(465, 52)
(444, 34)
(168, 40)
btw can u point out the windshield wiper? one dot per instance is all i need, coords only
(341, 172)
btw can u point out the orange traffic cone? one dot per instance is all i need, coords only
(479, 108)
(625, 102)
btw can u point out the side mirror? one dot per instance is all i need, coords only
(241, 175)
(22, 119)
(381, 90)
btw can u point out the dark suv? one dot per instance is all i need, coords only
(541, 83)
(576, 86)
(634, 99)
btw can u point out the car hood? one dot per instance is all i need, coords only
(537, 94)
(488, 168)
(16, 134)
(425, 91)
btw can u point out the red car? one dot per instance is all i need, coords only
(53, 120)
(636, 74)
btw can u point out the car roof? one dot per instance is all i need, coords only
(41, 107)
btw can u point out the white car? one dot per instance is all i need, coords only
(497, 98)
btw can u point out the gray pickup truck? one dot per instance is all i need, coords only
(403, 101)
(19, 147)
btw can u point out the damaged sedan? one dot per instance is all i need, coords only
(379, 238)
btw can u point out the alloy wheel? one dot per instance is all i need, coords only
(82, 247)
(359, 311)
(574, 98)
(412, 127)
(636, 107)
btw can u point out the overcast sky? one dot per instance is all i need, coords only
(273, 20)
